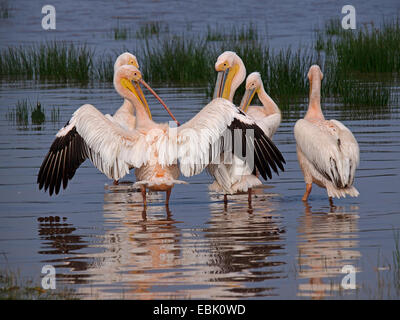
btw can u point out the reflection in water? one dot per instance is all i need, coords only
(246, 243)
(140, 248)
(59, 240)
(147, 255)
(326, 244)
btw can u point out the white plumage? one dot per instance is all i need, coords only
(231, 178)
(124, 116)
(327, 151)
(154, 149)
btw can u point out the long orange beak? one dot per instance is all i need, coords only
(159, 99)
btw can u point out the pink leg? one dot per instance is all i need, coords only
(308, 191)
(143, 189)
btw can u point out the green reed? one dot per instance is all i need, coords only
(22, 112)
(345, 56)
(232, 33)
(178, 60)
(4, 9)
(13, 286)
(151, 29)
(121, 32)
(24, 108)
(55, 115)
(366, 49)
(49, 60)
(37, 114)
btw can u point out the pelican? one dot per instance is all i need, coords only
(327, 151)
(124, 116)
(111, 147)
(268, 117)
(153, 149)
(235, 177)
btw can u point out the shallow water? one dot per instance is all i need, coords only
(104, 246)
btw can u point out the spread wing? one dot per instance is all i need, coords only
(90, 134)
(202, 139)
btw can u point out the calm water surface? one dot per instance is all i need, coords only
(104, 246)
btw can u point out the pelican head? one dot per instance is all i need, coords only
(231, 73)
(314, 73)
(253, 85)
(123, 78)
(125, 58)
(126, 82)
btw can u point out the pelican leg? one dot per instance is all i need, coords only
(115, 182)
(143, 190)
(249, 197)
(331, 203)
(167, 197)
(308, 191)
(225, 201)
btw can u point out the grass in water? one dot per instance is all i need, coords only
(367, 49)
(4, 9)
(49, 60)
(178, 60)
(121, 33)
(21, 113)
(151, 29)
(55, 115)
(37, 114)
(346, 56)
(233, 33)
(15, 287)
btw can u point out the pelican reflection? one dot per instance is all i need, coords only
(327, 241)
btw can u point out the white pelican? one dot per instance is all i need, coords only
(327, 151)
(153, 149)
(235, 177)
(268, 117)
(111, 147)
(124, 116)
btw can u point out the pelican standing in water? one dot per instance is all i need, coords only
(153, 149)
(327, 151)
(112, 148)
(236, 177)
(268, 117)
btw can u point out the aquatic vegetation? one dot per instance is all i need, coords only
(150, 29)
(21, 113)
(367, 49)
(104, 68)
(37, 114)
(246, 32)
(178, 60)
(15, 287)
(121, 32)
(344, 55)
(55, 115)
(4, 9)
(48, 60)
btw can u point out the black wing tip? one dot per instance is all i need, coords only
(66, 154)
